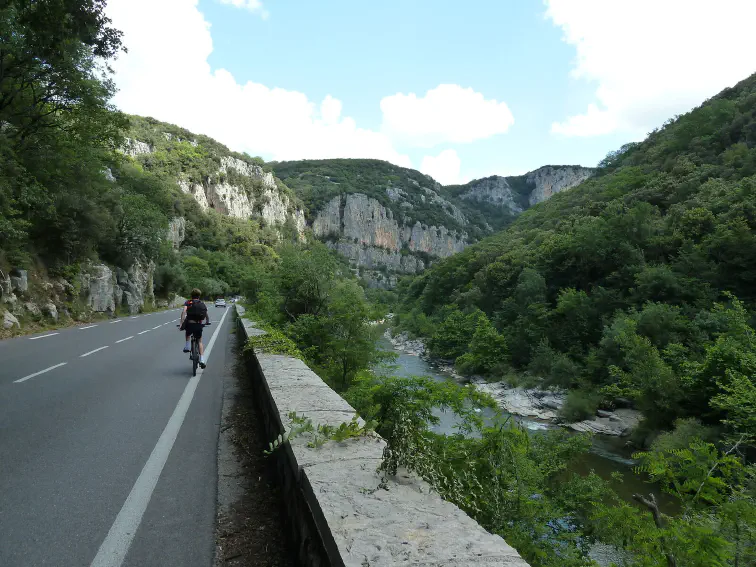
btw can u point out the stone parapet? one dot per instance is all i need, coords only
(338, 515)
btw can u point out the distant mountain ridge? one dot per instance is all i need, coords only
(389, 220)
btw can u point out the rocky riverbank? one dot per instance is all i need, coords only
(403, 343)
(544, 405)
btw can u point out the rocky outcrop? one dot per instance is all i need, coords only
(402, 342)
(494, 190)
(545, 405)
(531, 188)
(98, 285)
(520, 401)
(549, 180)
(104, 289)
(19, 281)
(367, 233)
(176, 231)
(9, 321)
(267, 201)
(134, 148)
(134, 287)
(619, 422)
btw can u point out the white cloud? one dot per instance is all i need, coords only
(166, 75)
(446, 114)
(444, 167)
(652, 59)
(254, 6)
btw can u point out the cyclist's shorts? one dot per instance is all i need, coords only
(193, 329)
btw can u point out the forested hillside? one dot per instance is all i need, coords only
(638, 283)
(99, 210)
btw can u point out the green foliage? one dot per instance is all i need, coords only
(487, 350)
(272, 342)
(618, 284)
(453, 335)
(514, 484)
(579, 405)
(322, 433)
(317, 182)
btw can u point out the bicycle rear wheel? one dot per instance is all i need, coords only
(195, 356)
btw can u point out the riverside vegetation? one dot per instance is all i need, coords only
(638, 284)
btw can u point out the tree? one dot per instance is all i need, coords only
(49, 78)
(487, 350)
(305, 278)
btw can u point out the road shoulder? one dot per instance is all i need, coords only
(250, 528)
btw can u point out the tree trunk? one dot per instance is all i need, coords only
(653, 507)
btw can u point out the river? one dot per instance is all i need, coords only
(607, 455)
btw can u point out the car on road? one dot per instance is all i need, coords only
(220, 302)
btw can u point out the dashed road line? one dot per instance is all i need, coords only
(153, 328)
(143, 332)
(93, 351)
(89, 327)
(112, 552)
(126, 339)
(43, 336)
(25, 378)
(116, 321)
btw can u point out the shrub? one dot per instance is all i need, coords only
(579, 405)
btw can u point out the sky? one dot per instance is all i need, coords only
(458, 90)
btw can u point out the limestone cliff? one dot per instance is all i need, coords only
(494, 190)
(388, 220)
(219, 180)
(548, 180)
(517, 193)
(366, 232)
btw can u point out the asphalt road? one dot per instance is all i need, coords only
(108, 445)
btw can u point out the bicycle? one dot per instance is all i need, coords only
(194, 351)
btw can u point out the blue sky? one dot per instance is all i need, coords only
(500, 86)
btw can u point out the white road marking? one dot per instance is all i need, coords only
(126, 339)
(113, 550)
(143, 332)
(90, 326)
(153, 328)
(43, 336)
(93, 351)
(135, 317)
(116, 321)
(25, 378)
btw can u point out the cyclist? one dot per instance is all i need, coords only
(192, 317)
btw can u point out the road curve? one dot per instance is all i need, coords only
(108, 445)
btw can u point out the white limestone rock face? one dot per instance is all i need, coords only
(19, 281)
(135, 286)
(50, 310)
(10, 321)
(273, 206)
(494, 190)
(368, 234)
(33, 308)
(228, 200)
(176, 231)
(98, 287)
(134, 148)
(197, 191)
(549, 180)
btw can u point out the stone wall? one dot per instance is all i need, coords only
(337, 514)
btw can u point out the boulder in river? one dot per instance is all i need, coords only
(620, 423)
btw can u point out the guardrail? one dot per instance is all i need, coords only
(337, 514)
